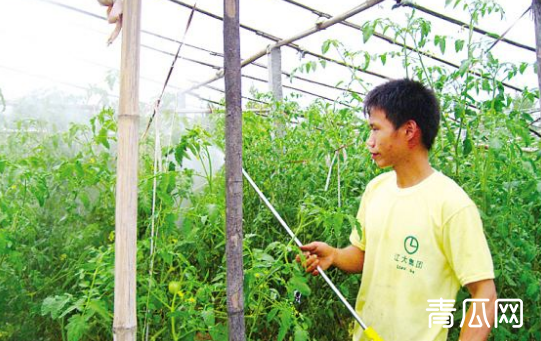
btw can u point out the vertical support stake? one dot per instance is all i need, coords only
(233, 170)
(275, 73)
(125, 317)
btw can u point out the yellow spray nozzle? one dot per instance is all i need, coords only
(372, 335)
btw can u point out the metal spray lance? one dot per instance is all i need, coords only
(368, 331)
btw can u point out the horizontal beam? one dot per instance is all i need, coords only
(288, 41)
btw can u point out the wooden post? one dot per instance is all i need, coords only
(125, 318)
(233, 166)
(275, 73)
(536, 8)
(275, 83)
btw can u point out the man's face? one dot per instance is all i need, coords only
(384, 142)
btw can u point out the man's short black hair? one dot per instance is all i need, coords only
(403, 100)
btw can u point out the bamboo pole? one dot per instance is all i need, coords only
(125, 318)
(233, 165)
(536, 8)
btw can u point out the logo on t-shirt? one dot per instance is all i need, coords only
(411, 245)
(405, 261)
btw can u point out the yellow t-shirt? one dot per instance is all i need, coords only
(421, 243)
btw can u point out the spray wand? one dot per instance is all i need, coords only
(368, 331)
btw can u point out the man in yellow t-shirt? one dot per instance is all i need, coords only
(421, 235)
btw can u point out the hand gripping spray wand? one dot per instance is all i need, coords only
(368, 331)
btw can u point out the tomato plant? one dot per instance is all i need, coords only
(57, 204)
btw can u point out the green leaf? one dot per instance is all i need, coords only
(272, 314)
(85, 200)
(383, 58)
(468, 146)
(208, 318)
(366, 61)
(442, 44)
(218, 332)
(425, 28)
(100, 309)
(180, 152)
(368, 31)
(509, 280)
(41, 191)
(357, 97)
(485, 85)
(5, 244)
(300, 334)
(326, 46)
(79, 169)
(285, 323)
(76, 327)
(54, 305)
(523, 67)
(102, 137)
(78, 305)
(459, 45)
(299, 283)
(464, 67)
(353, 222)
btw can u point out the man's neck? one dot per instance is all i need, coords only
(412, 170)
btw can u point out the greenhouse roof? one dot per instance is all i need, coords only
(65, 46)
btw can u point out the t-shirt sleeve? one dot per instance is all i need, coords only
(466, 247)
(356, 239)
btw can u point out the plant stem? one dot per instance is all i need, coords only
(210, 169)
(172, 309)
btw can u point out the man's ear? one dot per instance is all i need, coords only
(412, 132)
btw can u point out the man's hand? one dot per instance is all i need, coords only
(317, 254)
(114, 15)
(349, 259)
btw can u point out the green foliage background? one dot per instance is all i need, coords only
(57, 207)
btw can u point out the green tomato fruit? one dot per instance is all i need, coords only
(174, 287)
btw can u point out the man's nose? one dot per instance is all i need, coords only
(371, 142)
